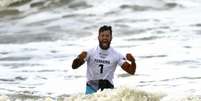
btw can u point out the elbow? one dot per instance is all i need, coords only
(133, 69)
(75, 65)
(129, 68)
(132, 72)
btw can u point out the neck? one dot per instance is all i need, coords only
(101, 47)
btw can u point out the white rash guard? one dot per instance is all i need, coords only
(101, 64)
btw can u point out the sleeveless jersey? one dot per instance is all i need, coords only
(101, 64)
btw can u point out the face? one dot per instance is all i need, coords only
(105, 39)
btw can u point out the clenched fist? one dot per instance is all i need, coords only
(130, 57)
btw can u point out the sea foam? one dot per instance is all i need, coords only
(120, 94)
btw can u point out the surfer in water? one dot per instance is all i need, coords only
(102, 62)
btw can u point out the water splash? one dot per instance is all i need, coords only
(120, 94)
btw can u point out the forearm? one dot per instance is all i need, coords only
(129, 67)
(132, 67)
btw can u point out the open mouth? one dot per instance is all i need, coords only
(105, 43)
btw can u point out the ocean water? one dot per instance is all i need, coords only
(40, 38)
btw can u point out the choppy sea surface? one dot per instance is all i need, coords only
(40, 38)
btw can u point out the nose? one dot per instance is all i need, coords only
(104, 37)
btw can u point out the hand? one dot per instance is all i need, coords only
(130, 57)
(83, 55)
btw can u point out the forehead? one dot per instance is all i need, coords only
(107, 32)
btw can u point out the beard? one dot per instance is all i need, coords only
(104, 46)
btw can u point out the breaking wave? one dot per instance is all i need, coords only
(120, 94)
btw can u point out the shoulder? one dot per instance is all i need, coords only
(115, 52)
(92, 50)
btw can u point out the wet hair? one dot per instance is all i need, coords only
(105, 28)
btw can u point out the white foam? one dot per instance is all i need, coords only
(120, 94)
(4, 98)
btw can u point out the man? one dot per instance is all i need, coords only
(102, 62)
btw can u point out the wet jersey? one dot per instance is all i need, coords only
(101, 64)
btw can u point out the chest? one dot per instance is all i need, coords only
(106, 58)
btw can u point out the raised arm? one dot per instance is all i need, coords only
(129, 67)
(77, 62)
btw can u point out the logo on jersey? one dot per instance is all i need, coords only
(102, 61)
(103, 55)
